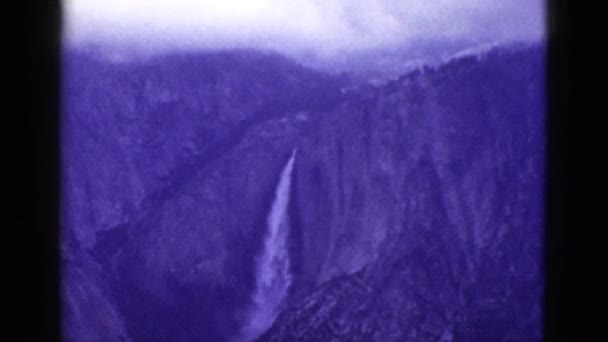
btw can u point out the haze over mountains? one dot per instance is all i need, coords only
(313, 32)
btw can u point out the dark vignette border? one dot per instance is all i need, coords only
(33, 144)
(559, 252)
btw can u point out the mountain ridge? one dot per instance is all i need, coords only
(170, 170)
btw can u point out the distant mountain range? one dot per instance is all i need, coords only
(416, 206)
(381, 64)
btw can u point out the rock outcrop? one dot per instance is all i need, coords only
(421, 206)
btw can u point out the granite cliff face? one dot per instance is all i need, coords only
(169, 170)
(421, 206)
(415, 208)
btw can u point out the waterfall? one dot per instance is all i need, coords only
(273, 276)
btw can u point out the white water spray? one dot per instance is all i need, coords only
(272, 269)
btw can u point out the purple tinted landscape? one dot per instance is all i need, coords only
(237, 195)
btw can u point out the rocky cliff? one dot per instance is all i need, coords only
(169, 169)
(421, 206)
(415, 211)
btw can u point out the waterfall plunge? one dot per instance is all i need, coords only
(272, 268)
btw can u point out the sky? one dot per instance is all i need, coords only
(326, 27)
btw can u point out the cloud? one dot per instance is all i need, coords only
(324, 26)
